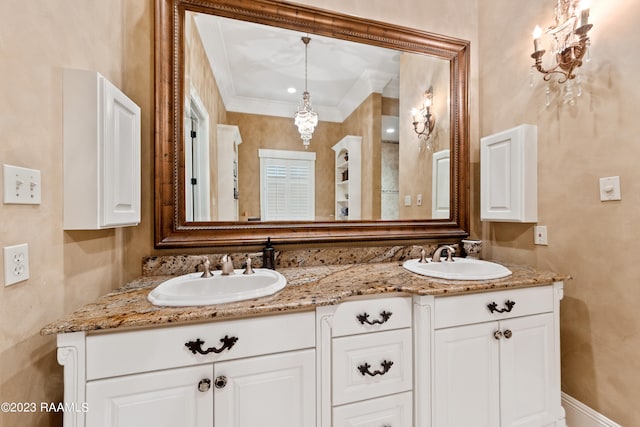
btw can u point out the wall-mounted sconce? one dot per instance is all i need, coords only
(423, 120)
(570, 44)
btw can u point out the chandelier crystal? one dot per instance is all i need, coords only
(305, 118)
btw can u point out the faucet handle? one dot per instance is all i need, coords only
(207, 268)
(423, 256)
(248, 269)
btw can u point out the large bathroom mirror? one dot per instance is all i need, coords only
(231, 166)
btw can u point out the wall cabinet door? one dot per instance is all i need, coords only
(496, 374)
(161, 399)
(276, 390)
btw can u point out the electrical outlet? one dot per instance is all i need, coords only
(407, 200)
(540, 235)
(16, 264)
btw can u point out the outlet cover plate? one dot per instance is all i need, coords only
(16, 264)
(540, 235)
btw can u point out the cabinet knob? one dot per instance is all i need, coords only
(497, 335)
(508, 334)
(220, 382)
(204, 385)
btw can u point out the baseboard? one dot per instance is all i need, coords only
(580, 415)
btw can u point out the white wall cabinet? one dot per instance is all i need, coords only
(509, 175)
(348, 168)
(101, 153)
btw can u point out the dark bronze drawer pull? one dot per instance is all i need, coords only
(364, 318)
(386, 365)
(493, 307)
(196, 346)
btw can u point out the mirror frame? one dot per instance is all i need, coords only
(171, 228)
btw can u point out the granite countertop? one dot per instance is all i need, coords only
(307, 288)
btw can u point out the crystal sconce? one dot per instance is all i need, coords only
(423, 120)
(569, 46)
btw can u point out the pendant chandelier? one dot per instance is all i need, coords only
(305, 118)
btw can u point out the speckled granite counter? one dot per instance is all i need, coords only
(307, 287)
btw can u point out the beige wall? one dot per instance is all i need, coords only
(418, 73)
(366, 121)
(68, 269)
(200, 79)
(588, 239)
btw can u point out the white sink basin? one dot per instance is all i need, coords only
(191, 289)
(459, 269)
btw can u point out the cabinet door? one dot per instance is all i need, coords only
(528, 382)
(466, 377)
(276, 390)
(161, 399)
(121, 159)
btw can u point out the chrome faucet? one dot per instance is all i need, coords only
(227, 265)
(438, 253)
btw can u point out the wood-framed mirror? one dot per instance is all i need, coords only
(238, 212)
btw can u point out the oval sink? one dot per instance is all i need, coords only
(191, 289)
(459, 269)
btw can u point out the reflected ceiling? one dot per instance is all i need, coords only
(255, 64)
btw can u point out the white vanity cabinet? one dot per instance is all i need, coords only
(236, 373)
(485, 359)
(496, 359)
(366, 359)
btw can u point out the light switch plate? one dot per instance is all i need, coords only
(610, 188)
(21, 185)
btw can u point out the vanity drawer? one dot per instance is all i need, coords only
(371, 365)
(371, 315)
(474, 308)
(392, 411)
(121, 353)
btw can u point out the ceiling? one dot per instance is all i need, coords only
(254, 65)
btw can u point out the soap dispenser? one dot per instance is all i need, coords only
(269, 256)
